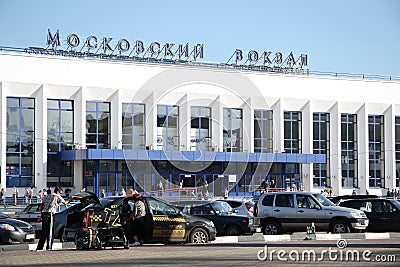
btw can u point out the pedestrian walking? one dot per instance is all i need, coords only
(48, 207)
(3, 196)
(15, 195)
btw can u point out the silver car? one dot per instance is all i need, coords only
(281, 212)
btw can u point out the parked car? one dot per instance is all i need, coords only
(383, 214)
(31, 214)
(240, 207)
(164, 223)
(281, 212)
(15, 231)
(226, 222)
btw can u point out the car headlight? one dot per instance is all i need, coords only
(355, 214)
(7, 227)
(251, 221)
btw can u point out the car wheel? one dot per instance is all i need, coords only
(233, 230)
(272, 228)
(339, 227)
(198, 236)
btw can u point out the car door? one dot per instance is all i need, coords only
(285, 211)
(206, 211)
(308, 211)
(168, 222)
(383, 216)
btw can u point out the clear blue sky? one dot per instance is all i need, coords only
(355, 36)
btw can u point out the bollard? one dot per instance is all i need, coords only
(310, 230)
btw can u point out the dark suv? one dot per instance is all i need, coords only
(226, 222)
(164, 223)
(383, 214)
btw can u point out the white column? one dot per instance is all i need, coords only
(151, 120)
(278, 126)
(79, 133)
(335, 149)
(363, 151)
(116, 121)
(390, 155)
(307, 146)
(184, 123)
(3, 137)
(40, 160)
(248, 126)
(217, 124)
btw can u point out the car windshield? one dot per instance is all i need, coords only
(221, 207)
(323, 200)
(396, 203)
(3, 216)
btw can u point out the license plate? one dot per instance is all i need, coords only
(30, 236)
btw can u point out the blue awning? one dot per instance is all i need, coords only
(198, 156)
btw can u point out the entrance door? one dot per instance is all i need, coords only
(107, 181)
(221, 184)
(189, 180)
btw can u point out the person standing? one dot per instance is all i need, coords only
(138, 226)
(15, 195)
(48, 207)
(3, 196)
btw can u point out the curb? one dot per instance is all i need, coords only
(302, 236)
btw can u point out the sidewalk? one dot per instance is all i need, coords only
(258, 237)
(302, 236)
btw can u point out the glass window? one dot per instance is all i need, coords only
(60, 136)
(292, 131)
(284, 200)
(20, 140)
(268, 200)
(349, 159)
(167, 127)
(321, 140)
(233, 130)
(263, 131)
(200, 129)
(376, 151)
(98, 125)
(397, 148)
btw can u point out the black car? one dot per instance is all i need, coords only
(164, 223)
(15, 231)
(337, 199)
(226, 222)
(383, 214)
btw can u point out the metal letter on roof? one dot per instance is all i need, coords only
(53, 40)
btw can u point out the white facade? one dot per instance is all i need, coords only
(52, 77)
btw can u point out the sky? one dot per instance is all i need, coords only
(344, 36)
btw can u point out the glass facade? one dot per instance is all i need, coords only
(397, 149)
(98, 125)
(60, 136)
(349, 150)
(321, 139)
(200, 129)
(292, 132)
(167, 127)
(20, 142)
(233, 130)
(133, 126)
(263, 131)
(376, 144)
